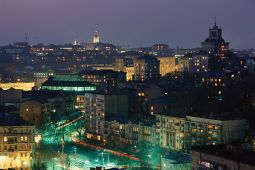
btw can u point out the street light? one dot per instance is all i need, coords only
(62, 143)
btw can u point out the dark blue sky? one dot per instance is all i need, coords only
(128, 22)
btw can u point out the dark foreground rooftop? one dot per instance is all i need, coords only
(235, 153)
(7, 119)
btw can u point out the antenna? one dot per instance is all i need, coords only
(26, 37)
(76, 36)
(215, 21)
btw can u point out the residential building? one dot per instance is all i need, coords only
(180, 133)
(101, 107)
(16, 142)
(200, 63)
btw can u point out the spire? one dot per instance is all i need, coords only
(76, 39)
(215, 21)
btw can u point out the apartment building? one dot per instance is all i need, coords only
(16, 142)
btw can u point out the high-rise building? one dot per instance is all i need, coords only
(99, 107)
(215, 44)
(146, 67)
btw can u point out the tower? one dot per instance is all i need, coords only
(96, 38)
(76, 42)
(215, 44)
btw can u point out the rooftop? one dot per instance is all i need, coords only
(101, 72)
(230, 152)
(67, 80)
(7, 119)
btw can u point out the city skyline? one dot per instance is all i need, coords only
(129, 23)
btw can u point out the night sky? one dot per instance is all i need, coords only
(129, 23)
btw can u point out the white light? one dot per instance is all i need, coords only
(86, 162)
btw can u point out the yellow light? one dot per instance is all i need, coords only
(38, 138)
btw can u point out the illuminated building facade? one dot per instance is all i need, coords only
(96, 38)
(25, 86)
(119, 65)
(146, 67)
(16, 142)
(180, 133)
(170, 132)
(167, 65)
(71, 83)
(130, 72)
(129, 133)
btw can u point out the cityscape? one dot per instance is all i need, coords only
(103, 103)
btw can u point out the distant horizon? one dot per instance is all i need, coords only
(150, 45)
(130, 24)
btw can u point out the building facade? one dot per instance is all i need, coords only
(200, 63)
(16, 142)
(104, 79)
(146, 67)
(180, 133)
(167, 65)
(215, 44)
